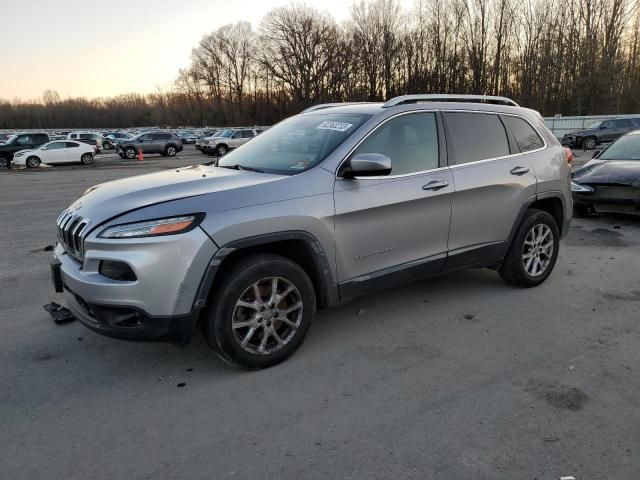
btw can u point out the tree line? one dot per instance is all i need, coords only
(575, 57)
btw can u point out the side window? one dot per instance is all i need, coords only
(606, 125)
(526, 137)
(165, 136)
(236, 134)
(635, 122)
(71, 145)
(622, 123)
(56, 145)
(410, 141)
(74, 135)
(85, 136)
(247, 134)
(24, 140)
(475, 136)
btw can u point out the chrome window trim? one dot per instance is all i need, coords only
(422, 172)
(401, 175)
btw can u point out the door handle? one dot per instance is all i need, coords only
(435, 185)
(519, 170)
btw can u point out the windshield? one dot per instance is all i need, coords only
(11, 139)
(626, 148)
(296, 144)
(595, 124)
(224, 133)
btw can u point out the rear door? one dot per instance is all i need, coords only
(492, 179)
(395, 227)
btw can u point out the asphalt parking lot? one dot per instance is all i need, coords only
(456, 377)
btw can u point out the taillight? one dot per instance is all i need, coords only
(568, 155)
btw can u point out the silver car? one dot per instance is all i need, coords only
(325, 206)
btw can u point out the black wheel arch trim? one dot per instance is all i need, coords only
(552, 194)
(328, 293)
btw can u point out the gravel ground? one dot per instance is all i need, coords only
(456, 377)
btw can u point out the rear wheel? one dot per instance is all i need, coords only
(86, 159)
(33, 162)
(533, 251)
(260, 312)
(589, 143)
(4, 162)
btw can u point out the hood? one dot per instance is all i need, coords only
(583, 132)
(107, 200)
(620, 172)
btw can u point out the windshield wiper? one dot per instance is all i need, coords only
(242, 167)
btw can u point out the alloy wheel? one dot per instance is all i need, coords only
(267, 315)
(537, 251)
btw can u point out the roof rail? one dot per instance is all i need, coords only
(322, 106)
(449, 98)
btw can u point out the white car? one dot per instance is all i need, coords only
(59, 151)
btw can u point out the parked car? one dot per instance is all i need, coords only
(4, 137)
(167, 144)
(602, 131)
(112, 139)
(368, 196)
(227, 140)
(65, 151)
(610, 182)
(20, 141)
(201, 141)
(90, 138)
(187, 136)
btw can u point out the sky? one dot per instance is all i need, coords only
(101, 49)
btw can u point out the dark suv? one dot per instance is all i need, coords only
(167, 144)
(20, 141)
(602, 131)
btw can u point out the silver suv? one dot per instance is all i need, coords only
(221, 142)
(326, 205)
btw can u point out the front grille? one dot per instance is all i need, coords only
(71, 231)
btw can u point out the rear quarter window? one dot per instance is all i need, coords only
(525, 135)
(475, 136)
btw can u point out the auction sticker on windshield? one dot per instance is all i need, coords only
(337, 126)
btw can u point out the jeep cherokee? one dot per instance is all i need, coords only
(329, 204)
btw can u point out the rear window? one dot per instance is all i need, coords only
(526, 137)
(475, 136)
(624, 123)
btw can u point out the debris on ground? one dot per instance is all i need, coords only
(59, 313)
(180, 385)
(48, 248)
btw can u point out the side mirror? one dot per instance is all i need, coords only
(596, 153)
(603, 126)
(367, 165)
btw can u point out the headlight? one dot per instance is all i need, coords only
(152, 228)
(576, 187)
(19, 154)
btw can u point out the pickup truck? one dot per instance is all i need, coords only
(20, 141)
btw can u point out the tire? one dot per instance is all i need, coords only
(528, 246)
(170, 151)
(589, 143)
(221, 150)
(86, 159)
(33, 162)
(251, 323)
(131, 153)
(4, 162)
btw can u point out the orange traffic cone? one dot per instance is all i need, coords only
(140, 155)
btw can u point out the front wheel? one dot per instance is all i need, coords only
(131, 153)
(221, 150)
(171, 151)
(260, 312)
(4, 162)
(589, 143)
(533, 251)
(33, 162)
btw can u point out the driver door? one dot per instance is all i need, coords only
(54, 153)
(394, 228)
